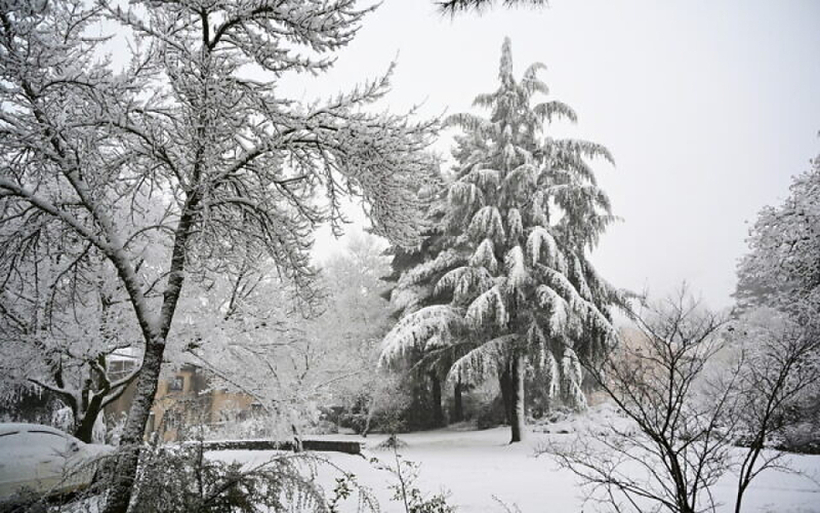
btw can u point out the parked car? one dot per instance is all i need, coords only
(45, 460)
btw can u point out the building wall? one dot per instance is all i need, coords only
(227, 404)
(184, 403)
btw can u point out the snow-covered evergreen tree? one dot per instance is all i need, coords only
(425, 367)
(516, 285)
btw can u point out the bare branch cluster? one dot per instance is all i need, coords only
(692, 386)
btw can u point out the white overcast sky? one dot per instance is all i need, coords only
(708, 107)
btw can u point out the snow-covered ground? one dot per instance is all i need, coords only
(476, 466)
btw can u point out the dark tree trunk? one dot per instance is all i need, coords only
(517, 419)
(85, 429)
(505, 384)
(438, 412)
(458, 405)
(297, 439)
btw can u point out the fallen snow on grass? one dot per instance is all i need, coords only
(476, 466)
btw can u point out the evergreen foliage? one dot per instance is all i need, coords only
(515, 283)
(415, 287)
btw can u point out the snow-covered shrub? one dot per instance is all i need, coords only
(406, 492)
(114, 432)
(323, 427)
(21, 403)
(482, 405)
(803, 437)
(63, 419)
(490, 414)
(380, 408)
(354, 417)
(257, 426)
(176, 479)
(803, 432)
(100, 431)
(392, 443)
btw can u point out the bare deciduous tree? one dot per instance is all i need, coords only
(689, 388)
(195, 124)
(780, 362)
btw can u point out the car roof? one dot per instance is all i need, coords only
(15, 427)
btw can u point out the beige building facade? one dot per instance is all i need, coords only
(185, 404)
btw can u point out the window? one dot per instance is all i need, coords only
(177, 384)
(172, 419)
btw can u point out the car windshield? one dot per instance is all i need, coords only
(44, 442)
(9, 440)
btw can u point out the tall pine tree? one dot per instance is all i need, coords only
(515, 288)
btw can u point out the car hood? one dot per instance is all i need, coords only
(96, 450)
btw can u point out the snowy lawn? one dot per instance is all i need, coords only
(475, 466)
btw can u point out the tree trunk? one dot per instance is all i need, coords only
(505, 384)
(119, 495)
(297, 439)
(85, 429)
(438, 412)
(370, 409)
(155, 335)
(517, 419)
(458, 405)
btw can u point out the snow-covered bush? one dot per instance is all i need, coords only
(490, 413)
(405, 490)
(250, 428)
(179, 479)
(689, 389)
(25, 403)
(380, 409)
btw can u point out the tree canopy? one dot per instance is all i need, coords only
(781, 269)
(187, 163)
